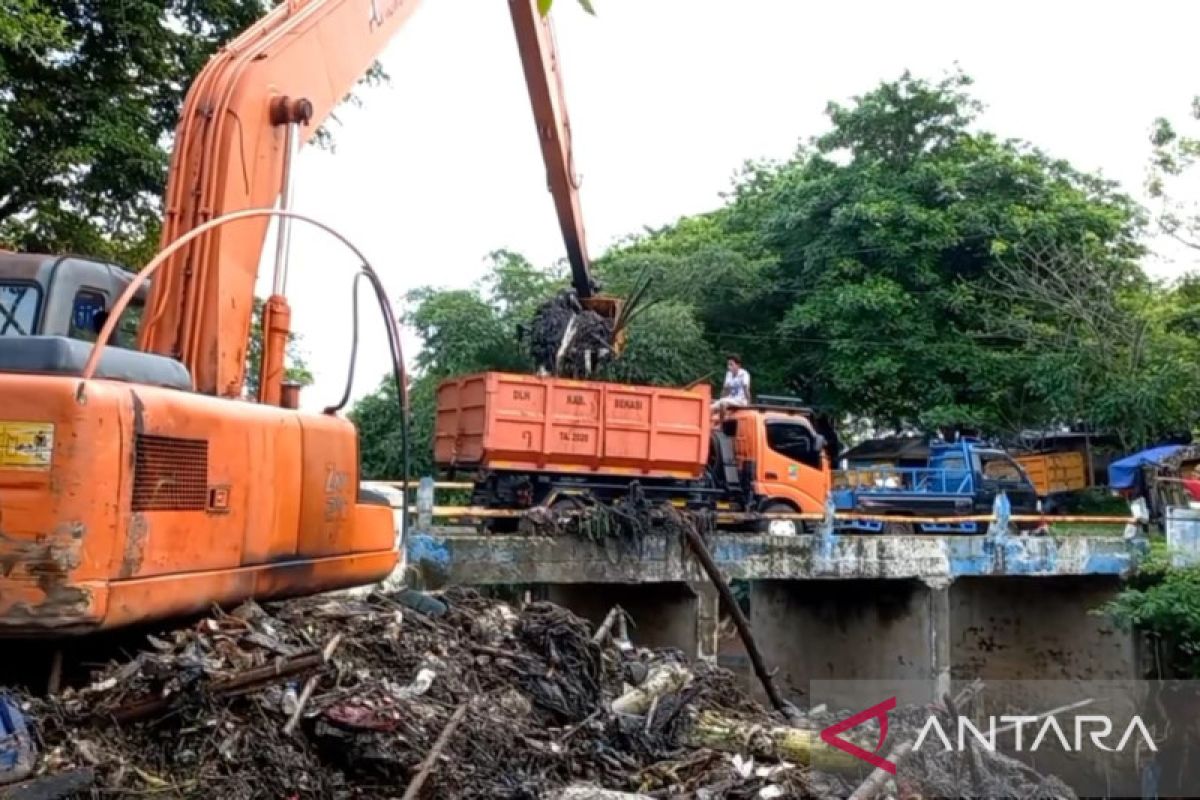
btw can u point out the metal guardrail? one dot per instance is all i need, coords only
(728, 517)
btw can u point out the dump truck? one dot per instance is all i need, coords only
(526, 441)
(960, 478)
(1055, 473)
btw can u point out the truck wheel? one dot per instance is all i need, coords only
(898, 529)
(779, 527)
(567, 503)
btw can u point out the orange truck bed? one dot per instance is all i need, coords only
(523, 423)
(1052, 473)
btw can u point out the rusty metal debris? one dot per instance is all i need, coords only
(483, 701)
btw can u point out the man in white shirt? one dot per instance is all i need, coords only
(736, 389)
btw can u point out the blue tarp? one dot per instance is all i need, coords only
(1123, 474)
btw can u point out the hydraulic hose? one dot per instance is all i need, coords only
(398, 371)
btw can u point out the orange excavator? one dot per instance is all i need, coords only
(136, 483)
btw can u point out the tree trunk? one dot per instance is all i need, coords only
(797, 745)
(662, 680)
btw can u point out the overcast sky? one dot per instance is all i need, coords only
(667, 98)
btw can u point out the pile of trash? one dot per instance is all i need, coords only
(569, 341)
(368, 697)
(622, 526)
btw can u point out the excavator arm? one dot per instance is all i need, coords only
(253, 105)
(547, 99)
(246, 114)
(543, 77)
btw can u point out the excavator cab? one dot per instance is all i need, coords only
(52, 309)
(64, 296)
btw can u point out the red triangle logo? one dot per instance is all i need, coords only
(830, 735)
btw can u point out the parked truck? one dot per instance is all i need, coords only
(526, 441)
(529, 441)
(961, 478)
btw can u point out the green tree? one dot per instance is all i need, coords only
(90, 94)
(378, 419)
(1102, 344)
(699, 264)
(1174, 155)
(1163, 602)
(887, 230)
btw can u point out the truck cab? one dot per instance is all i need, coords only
(772, 456)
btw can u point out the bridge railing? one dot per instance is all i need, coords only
(465, 513)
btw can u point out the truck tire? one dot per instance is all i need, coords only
(898, 529)
(567, 503)
(779, 527)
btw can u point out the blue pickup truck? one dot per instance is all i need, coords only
(961, 478)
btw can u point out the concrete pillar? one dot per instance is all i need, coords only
(672, 615)
(939, 635)
(892, 634)
(708, 620)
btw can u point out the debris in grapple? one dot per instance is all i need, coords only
(567, 340)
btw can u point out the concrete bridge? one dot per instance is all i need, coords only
(918, 610)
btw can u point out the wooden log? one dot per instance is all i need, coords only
(606, 627)
(796, 745)
(246, 681)
(878, 779)
(435, 753)
(739, 619)
(309, 686)
(663, 679)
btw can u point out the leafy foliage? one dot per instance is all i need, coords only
(887, 230)
(903, 270)
(544, 6)
(1164, 603)
(1174, 156)
(90, 94)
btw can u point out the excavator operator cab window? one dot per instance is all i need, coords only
(87, 315)
(19, 305)
(795, 441)
(89, 312)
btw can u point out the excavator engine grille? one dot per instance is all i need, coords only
(170, 474)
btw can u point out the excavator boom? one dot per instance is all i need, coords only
(547, 99)
(145, 491)
(543, 77)
(285, 73)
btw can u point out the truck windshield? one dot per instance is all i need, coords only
(999, 467)
(19, 303)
